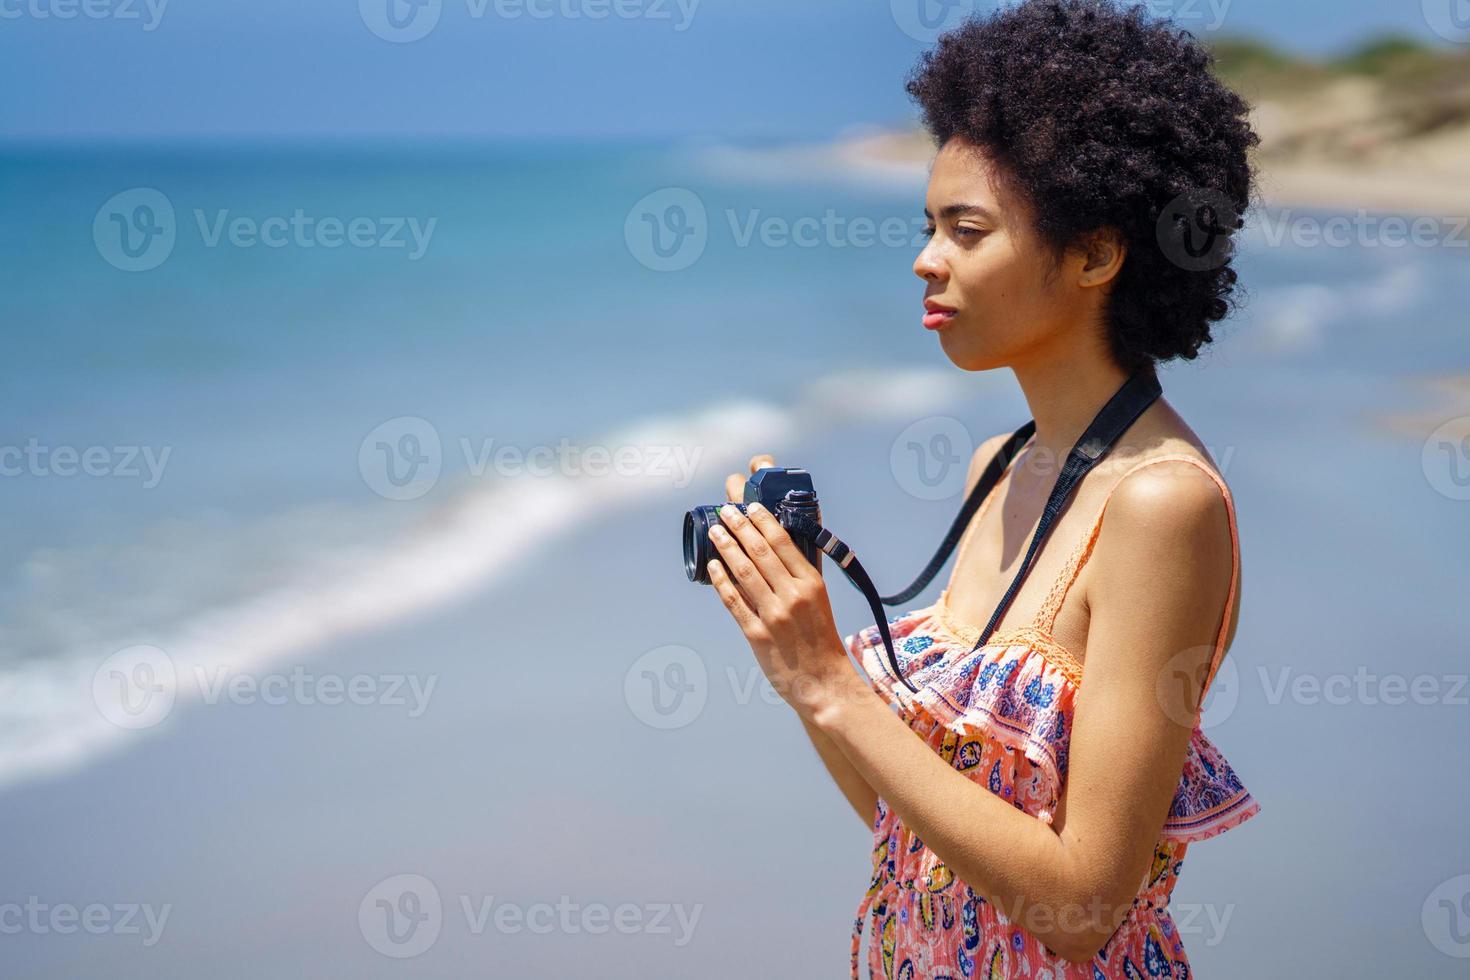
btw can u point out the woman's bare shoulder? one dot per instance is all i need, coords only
(981, 458)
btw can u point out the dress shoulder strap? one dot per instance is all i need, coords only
(1046, 618)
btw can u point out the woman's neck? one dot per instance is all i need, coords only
(1064, 396)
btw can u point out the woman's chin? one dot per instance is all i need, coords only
(967, 355)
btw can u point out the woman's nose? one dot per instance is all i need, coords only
(928, 266)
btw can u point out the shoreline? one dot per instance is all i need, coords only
(1417, 180)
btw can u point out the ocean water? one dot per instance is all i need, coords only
(503, 298)
(251, 375)
(322, 422)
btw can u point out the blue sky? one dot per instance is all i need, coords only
(294, 69)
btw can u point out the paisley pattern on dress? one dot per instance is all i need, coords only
(1002, 715)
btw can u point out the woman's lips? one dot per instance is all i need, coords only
(937, 319)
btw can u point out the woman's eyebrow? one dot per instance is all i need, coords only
(959, 210)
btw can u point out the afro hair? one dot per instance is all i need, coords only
(1106, 118)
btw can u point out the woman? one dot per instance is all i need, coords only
(1028, 823)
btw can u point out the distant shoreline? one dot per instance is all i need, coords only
(1398, 184)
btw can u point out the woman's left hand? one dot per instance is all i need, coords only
(780, 602)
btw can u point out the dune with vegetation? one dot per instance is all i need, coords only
(1384, 127)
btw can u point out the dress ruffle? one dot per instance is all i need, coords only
(1019, 690)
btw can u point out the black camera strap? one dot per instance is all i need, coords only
(1122, 410)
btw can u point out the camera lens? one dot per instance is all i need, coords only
(698, 549)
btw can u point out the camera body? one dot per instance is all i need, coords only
(785, 491)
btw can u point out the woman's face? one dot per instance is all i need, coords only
(1011, 299)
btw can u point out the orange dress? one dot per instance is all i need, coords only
(1002, 715)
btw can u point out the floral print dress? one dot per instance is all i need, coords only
(1002, 715)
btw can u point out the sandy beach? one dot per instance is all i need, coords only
(1343, 145)
(1431, 177)
(532, 780)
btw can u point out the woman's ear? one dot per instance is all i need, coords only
(1103, 252)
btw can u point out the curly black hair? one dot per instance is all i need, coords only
(1104, 117)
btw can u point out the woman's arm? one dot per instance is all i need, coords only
(862, 797)
(859, 794)
(1157, 595)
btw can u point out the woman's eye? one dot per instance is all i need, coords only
(960, 231)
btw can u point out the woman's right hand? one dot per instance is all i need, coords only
(735, 482)
(735, 490)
